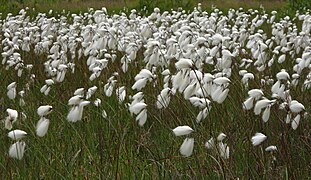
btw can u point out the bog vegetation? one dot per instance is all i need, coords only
(175, 94)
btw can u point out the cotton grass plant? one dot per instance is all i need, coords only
(115, 92)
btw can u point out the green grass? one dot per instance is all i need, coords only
(76, 6)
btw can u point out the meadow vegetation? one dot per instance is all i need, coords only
(117, 5)
(192, 73)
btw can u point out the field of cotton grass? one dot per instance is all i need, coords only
(173, 94)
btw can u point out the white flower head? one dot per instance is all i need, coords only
(182, 130)
(17, 134)
(17, 150)
(186, 149)
(258, 139)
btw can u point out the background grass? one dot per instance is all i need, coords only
(9, 6)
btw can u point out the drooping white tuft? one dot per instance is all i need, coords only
(261, 104)
(75, 100)
(137, 107)
(255, 93)
(266, 114)
(17, 134)
(295, 122)
(221, 136)
(17, 150)
(142, 117)
(184, 63)
(11, 90)
(210, 144)
(296, 107)
(224, 150)
(248, 103)
(271, 148)
(182, 130)
(258, 139)
(186, 149)
(73, 115)
(221, 80)
(42, 126)
(44, 110)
